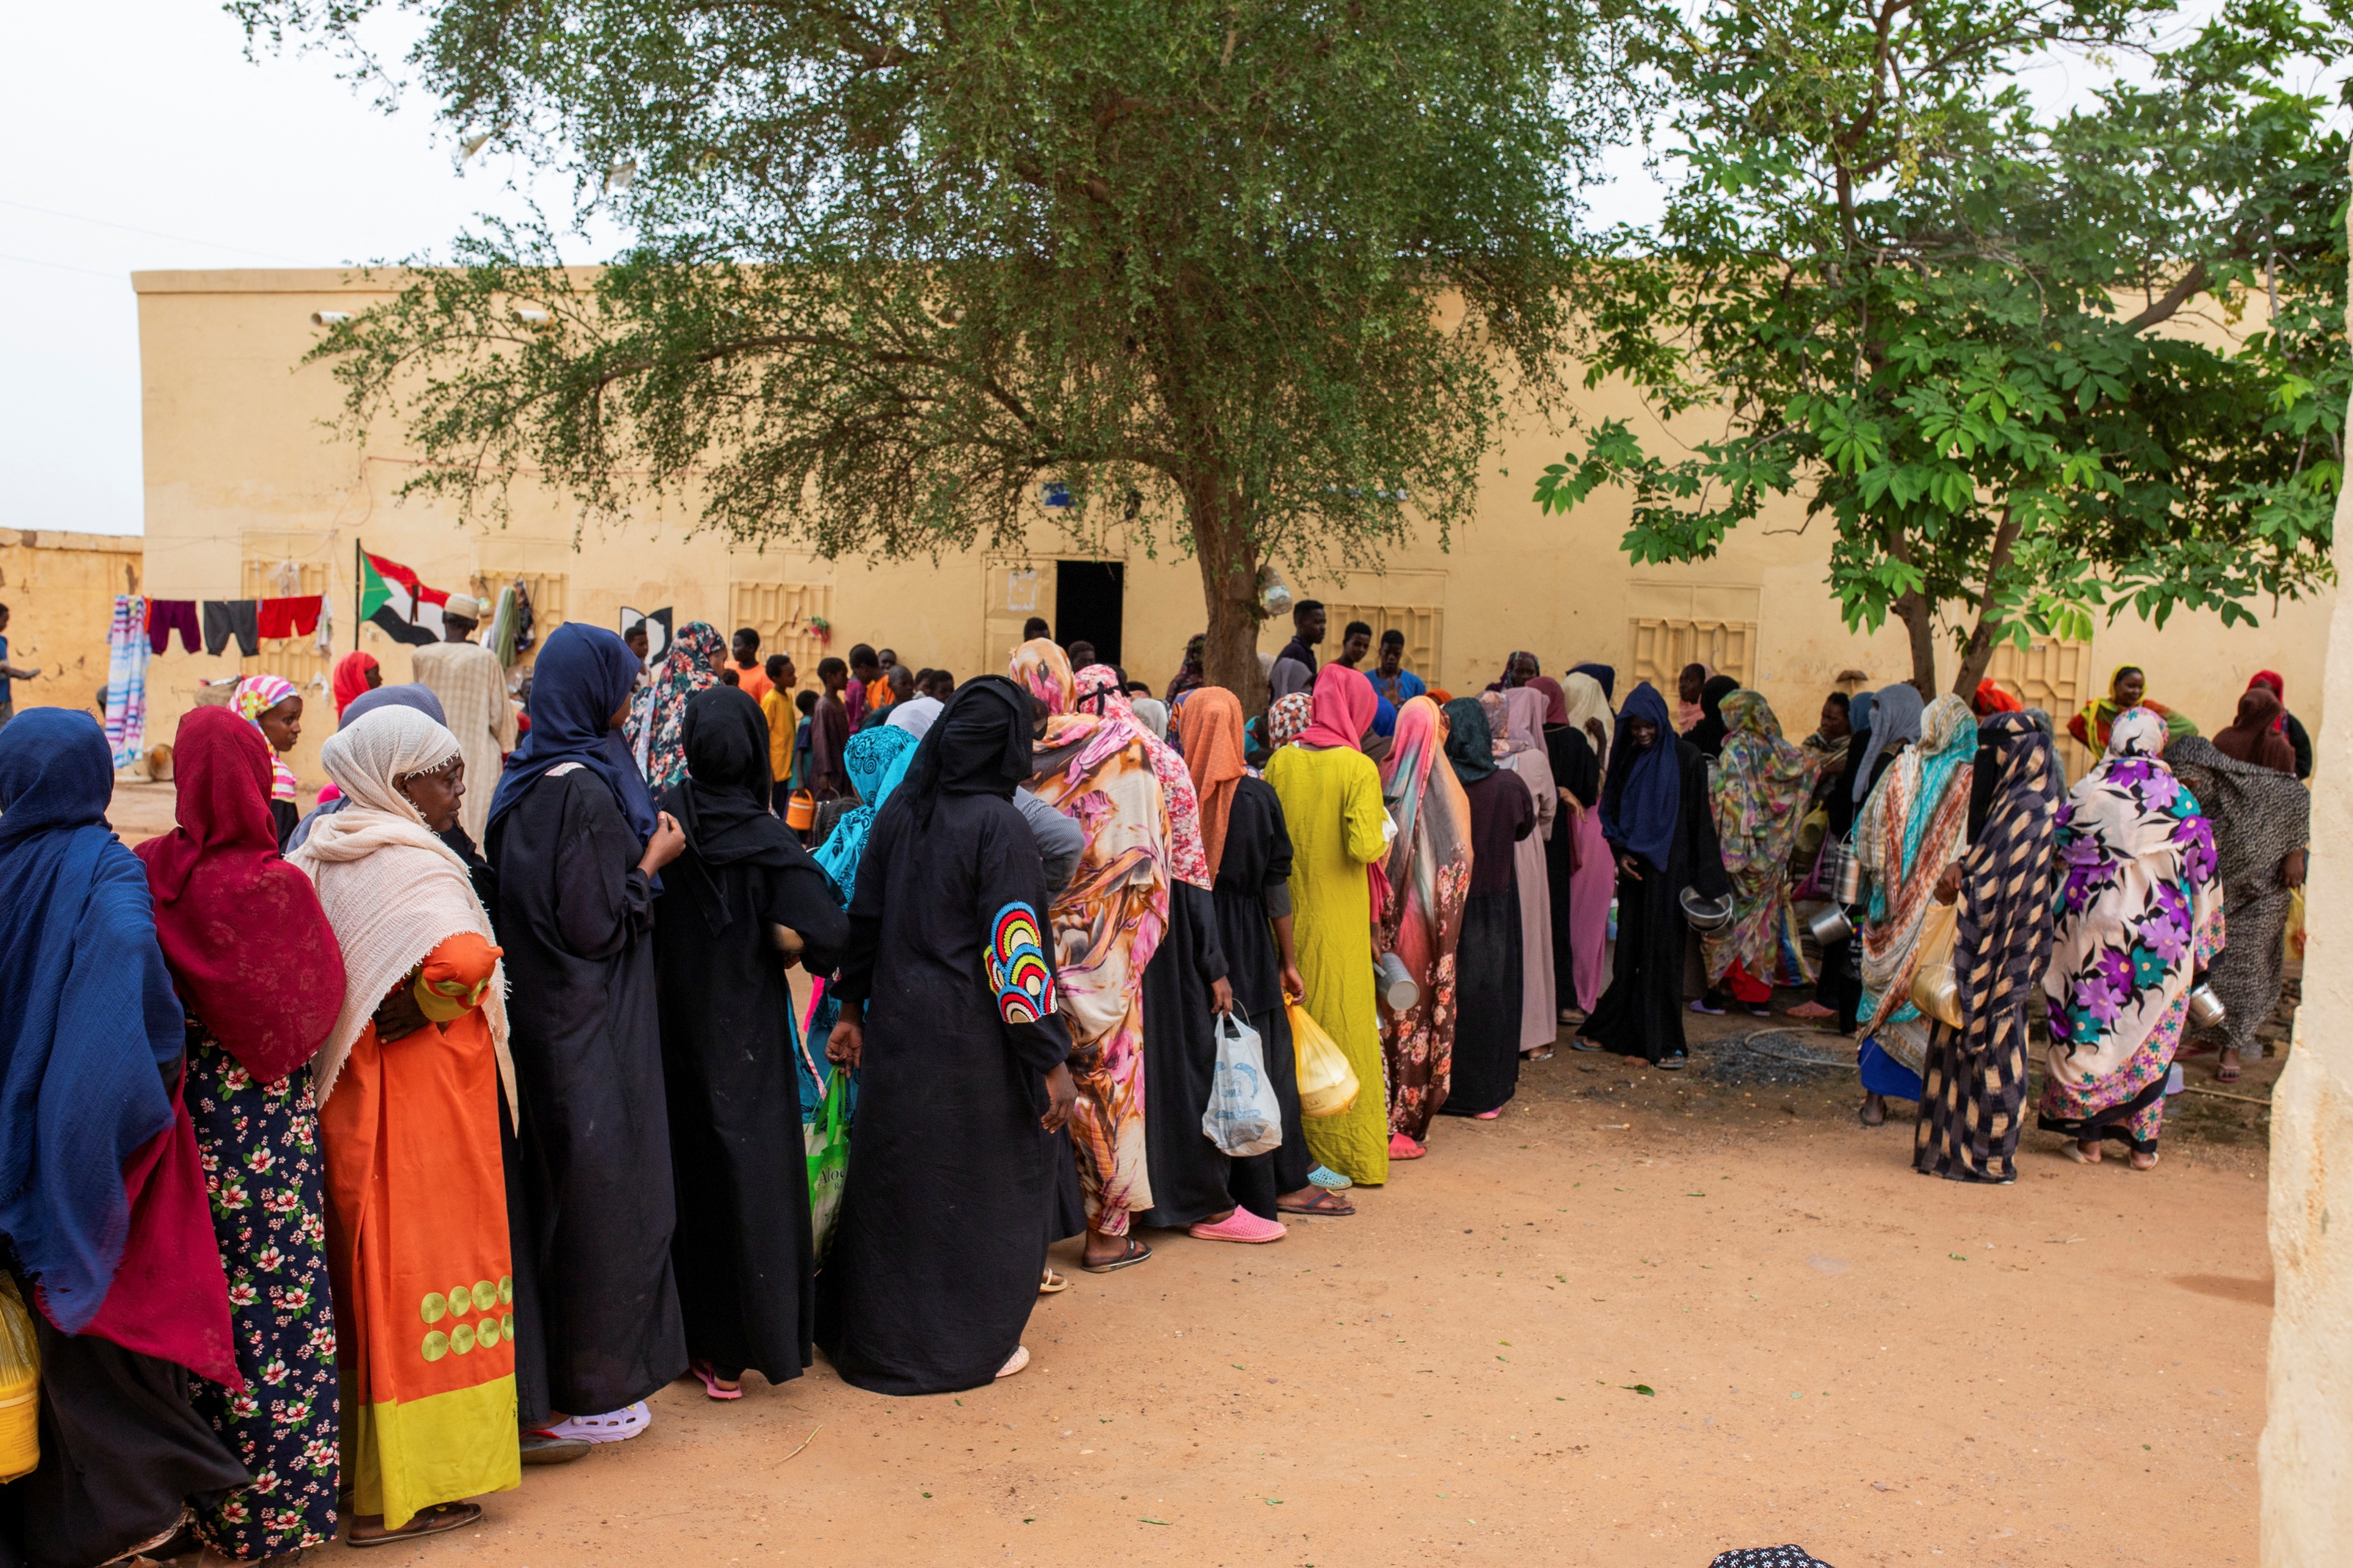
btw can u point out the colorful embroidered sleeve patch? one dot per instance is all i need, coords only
(1016, 966)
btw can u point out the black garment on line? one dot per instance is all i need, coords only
(1576, 769)
(1641, 1014)
(590, 1208)
(1256, 861)
(121, 1453)
(238, 618)
(741, 1252)
(935, 1261)
(1491, 959)
(1188, 1172)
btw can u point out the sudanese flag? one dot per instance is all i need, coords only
(392, 598)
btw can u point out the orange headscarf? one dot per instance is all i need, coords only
(1209, 727)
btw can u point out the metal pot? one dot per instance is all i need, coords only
(1831, 926)
(1850, 877)
(1706, 913)
(1397, 987)
(2206, 1009)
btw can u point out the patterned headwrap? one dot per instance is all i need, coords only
(257, 695)
(1098, 688)
(1043, 670)
(1287, 719)
(692, 665)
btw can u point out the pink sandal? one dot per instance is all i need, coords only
(710, 1376)
(1404, 1148)
(1239, 1226)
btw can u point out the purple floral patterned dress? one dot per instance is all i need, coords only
(263, 1173)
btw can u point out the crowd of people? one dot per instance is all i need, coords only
(360, 1158)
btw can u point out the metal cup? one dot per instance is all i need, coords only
(2206, 1009)
(1850, 877)
(1397, 987)
(1831, 926)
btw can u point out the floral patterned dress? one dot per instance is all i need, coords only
(263, 1172)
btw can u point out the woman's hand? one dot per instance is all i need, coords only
(1948, 886)
(397, 1017)
(667, 844)
(1062, 1094)
(1570, 803)
(1221, 995)
(1628, 865)
(846, 1047)
(2292, 870)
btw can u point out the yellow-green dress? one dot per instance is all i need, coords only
(1332, 808)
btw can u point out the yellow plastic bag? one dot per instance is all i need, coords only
(1935, 991)
(20, 1386)
(1327, 1084)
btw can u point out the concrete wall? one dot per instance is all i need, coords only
(60, 588)
(240, 472)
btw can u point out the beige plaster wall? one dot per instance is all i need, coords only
(238, 467)
(60, 588)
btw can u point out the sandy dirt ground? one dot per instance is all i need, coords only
(1639, 1320)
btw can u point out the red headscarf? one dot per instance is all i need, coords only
(1344, 705)
(1992, 698)
(2255, 736)
(249, 949)
(2279, 689)
(351, 678)
(1555, 699)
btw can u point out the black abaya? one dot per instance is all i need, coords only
(1489, 960)
(1254, 868)
(935, 1260)
(1641, 1014)
(589, 1202)
(1180, 1064)
(1578, 770)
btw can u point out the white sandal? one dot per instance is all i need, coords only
(1015, 1362)
(613, 1426)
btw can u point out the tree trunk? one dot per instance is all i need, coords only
(1978, 651)
(1918, 615)
(1221, 544)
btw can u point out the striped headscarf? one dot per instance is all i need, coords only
(257, 695)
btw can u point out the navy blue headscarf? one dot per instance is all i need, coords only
(1643, 800)
(91, 1020)
(583, 673)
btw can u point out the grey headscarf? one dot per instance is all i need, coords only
(1894, 716)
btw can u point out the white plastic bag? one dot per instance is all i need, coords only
(1243, 1118)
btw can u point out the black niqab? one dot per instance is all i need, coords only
(980, 745)
(722, 803)
(1709, 732)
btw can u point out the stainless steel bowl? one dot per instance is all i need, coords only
(1706, 913)
(2206, 1009)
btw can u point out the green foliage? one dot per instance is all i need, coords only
(1260, 266)
(2040, 365)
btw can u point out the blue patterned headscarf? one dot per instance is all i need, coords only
(877, 760)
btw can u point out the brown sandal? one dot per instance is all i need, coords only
(1322, 1203)
(434, 1520)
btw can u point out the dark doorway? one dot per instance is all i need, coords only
(1087, 596)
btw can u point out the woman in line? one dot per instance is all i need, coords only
(2262, 820)
(2139, 913)
(1428, 876)
(1973, 1090)
(1491, 993)
(103, 1196)
(2299, 742)
(578, 847)
(1331, 796)
(876, 761)
(1593, 880)
(1838, 995)
(1520, 730)
(1709, 732)
(1096, 768)
(409, 1084)
(355, 673)
(949, 1015)
(1911, 829)
(692, 665)
(271, 705)
(1662, 834)
(1761, 786)
(742, 1250)
(261, 976)
(2255, 734)
(1576, 789)
(2127, 689)
(1190, 675)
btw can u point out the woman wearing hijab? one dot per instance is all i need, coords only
(950, 1016)
(1709, 732)
(2139, 913)
(1760, 786)
(876, 760)
(1428, 876)
(1190, 674)
(2299, 742)
(742, 1251)
(355, 673)
(409, 1084)
(578, 847)
(1655, 816)
(271, 705)
(692, 665)
(1330, 794)
(1581, 940)
(1576, 789)
(1524, 754)
(1491, 993)
(1096, 768)
(2262, 821)
(2255, 735)
(1912, 828)
(1974, 1089)
(101, 1186)
(260, 977)
(2127, 689)
(1602, 675)
(1839, 993)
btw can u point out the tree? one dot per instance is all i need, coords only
(1248, 278)
(2031, 365)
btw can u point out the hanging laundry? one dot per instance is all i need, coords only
(127, 652)
(296, 617)
(392, 598)
(165, 615)
(238, 618)
(325, 646)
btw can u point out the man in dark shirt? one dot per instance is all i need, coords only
(1294, 667)
(830, 732)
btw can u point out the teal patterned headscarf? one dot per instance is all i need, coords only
(876, 761)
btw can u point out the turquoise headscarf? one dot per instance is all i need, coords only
(876, 760)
